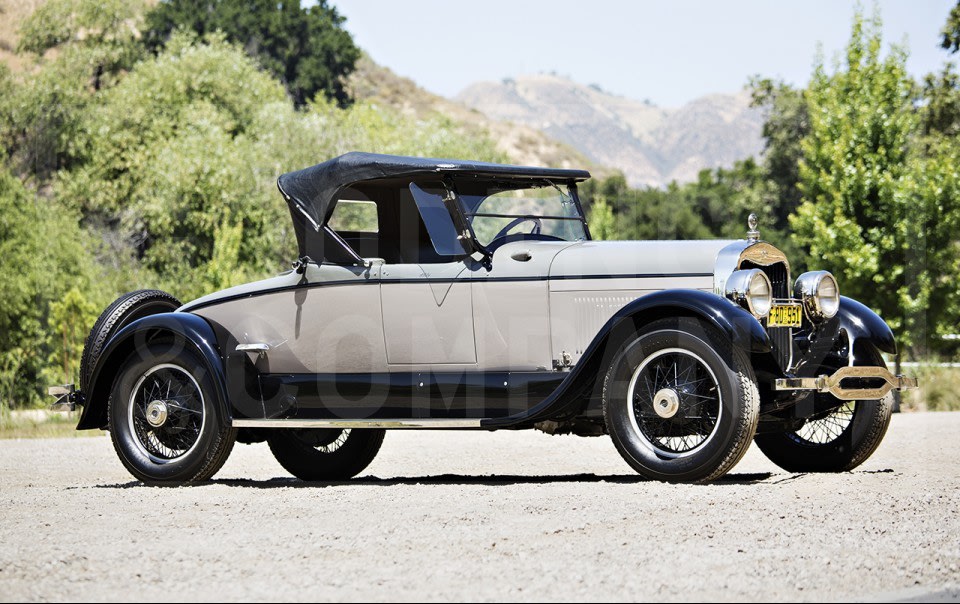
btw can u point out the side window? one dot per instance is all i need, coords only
(358, 224)
(355, 216)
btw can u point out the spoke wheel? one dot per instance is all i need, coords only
(825, 427)
(322, 440)
(166, 419)
(676, 401)
(166, 413)
(680, 401)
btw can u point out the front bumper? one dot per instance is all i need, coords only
(834, 383)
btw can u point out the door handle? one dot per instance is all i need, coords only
(521, 256)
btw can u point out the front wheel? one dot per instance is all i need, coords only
(321, 454)
(680, 402)
(166, 420)
(837, 440)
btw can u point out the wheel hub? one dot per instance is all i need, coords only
(666, 402)
(157, 413)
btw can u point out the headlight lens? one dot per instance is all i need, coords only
(751, 290)
(819, 294)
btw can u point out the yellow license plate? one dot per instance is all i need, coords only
(785, 315)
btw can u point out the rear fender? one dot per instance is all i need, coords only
(176, 329)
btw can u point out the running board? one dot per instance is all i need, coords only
(357, 423)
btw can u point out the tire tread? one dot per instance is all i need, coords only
(106, 326)
(747, 391)
(313, 466)
(215, 456)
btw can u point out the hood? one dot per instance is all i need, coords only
(638, 258)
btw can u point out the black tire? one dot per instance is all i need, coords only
(323, 455)
(719, 427)
(837, 441)
(178, 451)
(124, 310)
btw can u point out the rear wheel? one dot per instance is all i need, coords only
(680, 402)
(166, 420)
(319, 454)
(837, 440)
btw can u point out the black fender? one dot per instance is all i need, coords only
(861, 324)
(743, 329)
(179, 329)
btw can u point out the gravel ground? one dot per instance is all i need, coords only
(484, 516)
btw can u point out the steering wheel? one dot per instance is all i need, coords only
(537, 226)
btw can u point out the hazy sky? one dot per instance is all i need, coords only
(667, 51)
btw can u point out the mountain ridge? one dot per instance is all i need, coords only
(374, 83)
(651, 145)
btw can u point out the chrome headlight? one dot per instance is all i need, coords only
(819, 294)
(751, 290)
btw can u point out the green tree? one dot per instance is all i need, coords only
(180, 158)
(92, 43)
(40, 114)
(950, 34)
(307, 48)
(786, 124)
(105, 33)
(930, 227)
(170, 150)
(43, 256)
(940, 111)
(68, 323)
(724, 197)
(642, 214)
(859, 215)
(602, 223)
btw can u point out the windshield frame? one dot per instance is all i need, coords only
(515, 185)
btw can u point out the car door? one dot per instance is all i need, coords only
(427, 314)
(426, 300)
(512, 308)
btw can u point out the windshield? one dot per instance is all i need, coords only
(543, 209)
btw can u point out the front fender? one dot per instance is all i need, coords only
(742, 328)
(179, 328)
(861, 323)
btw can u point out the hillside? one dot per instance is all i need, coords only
(546, 119)
(520, 143)
(651, 145)
(12, 12)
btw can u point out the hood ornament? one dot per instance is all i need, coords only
(753, 234)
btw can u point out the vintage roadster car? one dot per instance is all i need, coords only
(466, 295)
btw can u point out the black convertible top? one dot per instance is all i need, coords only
(311, 192)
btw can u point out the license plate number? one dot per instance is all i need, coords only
(785, 315)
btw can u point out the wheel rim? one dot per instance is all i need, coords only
(675, 402)
(166, 413)
(323, 440)
(824, 429)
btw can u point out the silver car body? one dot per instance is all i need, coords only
(522, 315)
(448, 294)
(513, 335)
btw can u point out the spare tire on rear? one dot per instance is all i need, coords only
(125, 310)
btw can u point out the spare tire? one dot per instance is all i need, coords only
(125, 310)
